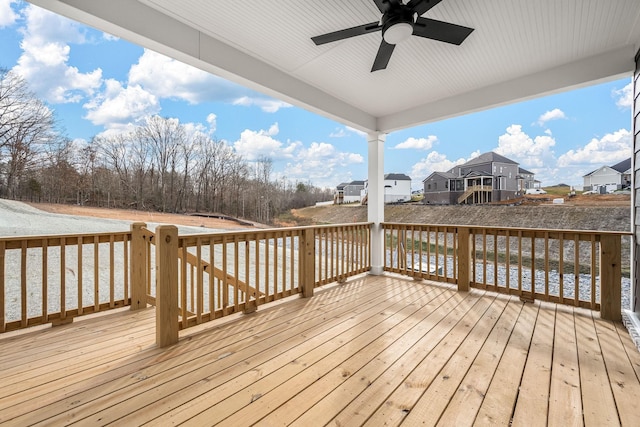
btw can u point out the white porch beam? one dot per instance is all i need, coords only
(608, 66)
(375, 195)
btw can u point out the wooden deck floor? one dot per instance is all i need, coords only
(374, 351)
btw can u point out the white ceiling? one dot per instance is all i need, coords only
(519, 49)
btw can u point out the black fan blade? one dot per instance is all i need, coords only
(422, 6)
(382, 58)
(385, 5)
(441, 31)
(346, 33)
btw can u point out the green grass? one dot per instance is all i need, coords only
(557, 191)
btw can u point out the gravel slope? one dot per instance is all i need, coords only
(614, 218)
(20, 219)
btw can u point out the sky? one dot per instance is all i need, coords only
(98, 84)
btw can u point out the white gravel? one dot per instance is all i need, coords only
(19, 219)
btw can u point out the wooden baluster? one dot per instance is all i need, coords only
(125, 264)
(23, 284)
(138, 270)
(112, 271)
(463, 259)
(63, 280)
(45, 280)
(308, 252)
(3, 320)
(593, 271)
(96, 274)
(576, 270)
(199, 282)
(79, 275)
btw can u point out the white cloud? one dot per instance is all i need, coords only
(267, 105)
(43, 62)
(119, 105)
(555, 114)
(167, 78)
(418, 143)
(274, 129)
(608, 150)
(7, 16)
(110, 37)
(341, 132)
(321, 162)
(323, 165)
(529, 152)
(253, 145)
(436, 162)
(625, 96)
(212, 121)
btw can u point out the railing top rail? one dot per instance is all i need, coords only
(190, 239)
(14, 242)
(514, 229)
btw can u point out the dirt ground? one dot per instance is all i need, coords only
(142, 216)
(605, 200)
(583, 200)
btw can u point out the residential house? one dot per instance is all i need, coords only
(348, 192)
(338, 197)
(607, 179)
(397, 188)
(526, 180)
(487, 178)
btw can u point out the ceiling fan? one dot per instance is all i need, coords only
(398, 22)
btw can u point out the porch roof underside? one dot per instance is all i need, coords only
(519, 50)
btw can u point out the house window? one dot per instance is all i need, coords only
(429, 186)
(435, 185)
(446, 184)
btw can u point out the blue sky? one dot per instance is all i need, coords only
(99, 84)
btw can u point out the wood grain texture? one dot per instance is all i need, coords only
(377, 348)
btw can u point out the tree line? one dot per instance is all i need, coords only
(160, 165)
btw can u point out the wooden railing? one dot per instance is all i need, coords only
(207, 276)
(548, 265)
(52, 279)
(197, 278)
(472, 190)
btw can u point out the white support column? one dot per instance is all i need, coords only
(376, 199)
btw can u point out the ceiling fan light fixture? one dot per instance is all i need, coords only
(398, 32)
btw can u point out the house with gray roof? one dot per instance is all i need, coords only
(607, 179)
(348, 192)
(490, 177)
(397, 188)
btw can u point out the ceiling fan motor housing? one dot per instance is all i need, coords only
(397, 24)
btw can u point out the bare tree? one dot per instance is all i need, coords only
(163, 137)
(26, 126)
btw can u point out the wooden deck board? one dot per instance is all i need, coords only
(597, 397)
(465, 404)
(364, 391)
(565, 403)
(533, 398)
(375, 350)
(500, 399)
